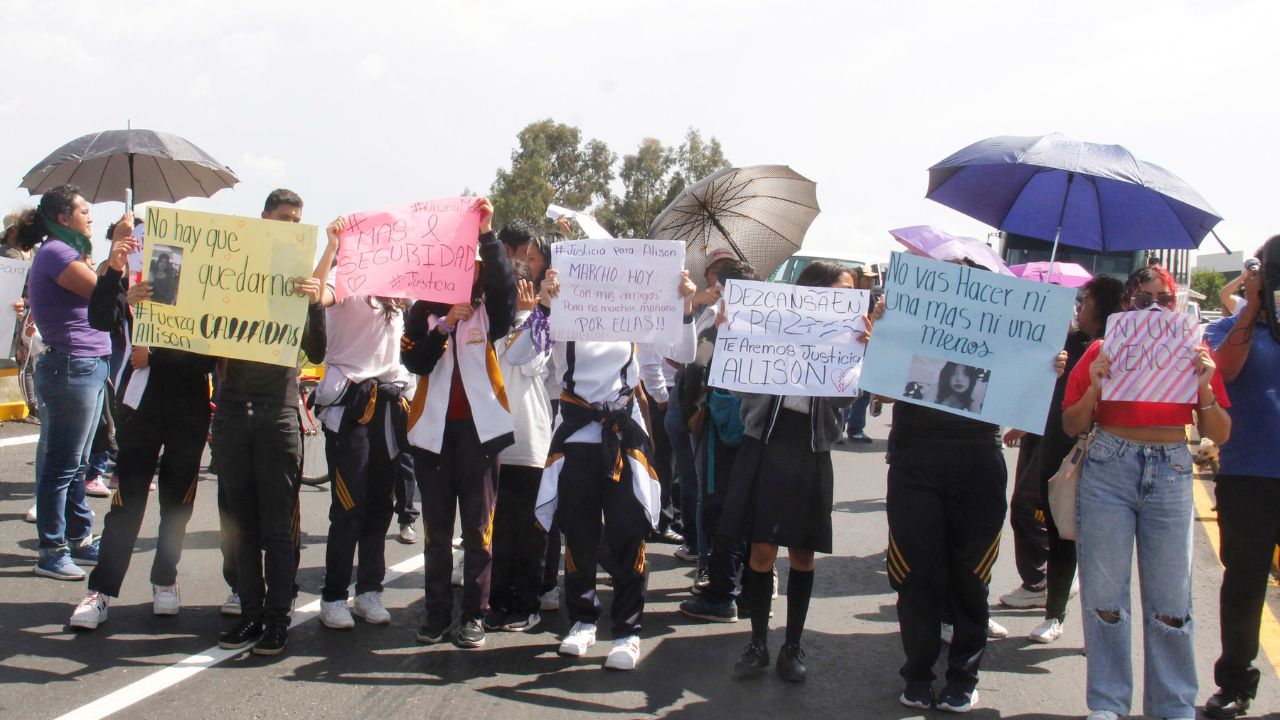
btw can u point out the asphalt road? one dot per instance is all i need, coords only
(144, 666)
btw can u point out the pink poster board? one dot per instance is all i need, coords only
(421, 251)
(1152, 356)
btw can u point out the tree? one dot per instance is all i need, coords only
(695, 159)
(552, 165)
(644, 180)
(1208, 283)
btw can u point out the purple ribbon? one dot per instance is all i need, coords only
(539, 326)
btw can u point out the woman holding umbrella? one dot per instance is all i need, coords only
(70, 378)
(1136, 486)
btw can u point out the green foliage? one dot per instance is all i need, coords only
(1208, 283)
(553, 165)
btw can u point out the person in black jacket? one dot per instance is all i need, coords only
(173, 414)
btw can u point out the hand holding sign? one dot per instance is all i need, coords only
(629, 290)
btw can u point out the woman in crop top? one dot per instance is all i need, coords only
(1136, 486)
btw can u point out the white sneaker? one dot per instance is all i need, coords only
(91, 612)
(31, 514)
(1049, 631)
(625, 653)
(581, 636)
(334, 614)
(368, 606)
(231, 606)
(457, 579)
(1021, 597)
(165, 600)
(948, 632)
(996, 630)
(549, 600)
(408, 534)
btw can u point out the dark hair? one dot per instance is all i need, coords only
(736, 270)
(822, 273)
(1106, 292)
(112, 228)
(279, 197)
(520, 269)
(542, 243)
(517, 233)
(1144, 275)
(948, 372)
(57, 202)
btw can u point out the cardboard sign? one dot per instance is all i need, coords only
(968, 341)
(790, 340)
(13, 277)
(421, 251)
(618, 290)
(1153, 355)
(224, 285)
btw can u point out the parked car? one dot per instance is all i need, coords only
(791, 268)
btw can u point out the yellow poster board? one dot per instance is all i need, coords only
(223, 285)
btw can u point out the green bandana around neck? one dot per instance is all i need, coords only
(79, 241)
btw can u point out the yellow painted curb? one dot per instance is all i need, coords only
(1269, 635)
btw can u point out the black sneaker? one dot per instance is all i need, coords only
(957, 700)
(700, 607)
(754, 659)
(435, 630)
(1227, 704)
(497, 619)
(244, 635)
(274, 637)
(790, 665)
(471, 634)
(917, 695)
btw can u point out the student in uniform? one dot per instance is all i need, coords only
(781, 495)
(459, 421)
(172, 414)
(598, 464)
(258, 441)
(363, 403)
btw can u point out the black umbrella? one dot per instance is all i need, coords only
(155, 165)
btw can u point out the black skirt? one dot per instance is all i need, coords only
(781, 491)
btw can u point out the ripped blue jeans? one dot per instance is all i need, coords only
(1137, 492)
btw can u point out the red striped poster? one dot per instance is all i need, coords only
(1152, 355)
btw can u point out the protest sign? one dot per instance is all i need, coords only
(618, 290)
(790, 340)
(422, 251)
(13, 277)
(224, 285)
(967, 341)
(589, 225)
(1153, 355)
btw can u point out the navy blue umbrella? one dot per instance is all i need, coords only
(1081, 194)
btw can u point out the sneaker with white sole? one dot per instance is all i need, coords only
(522, 623)
(334, 614)
(408, 534)
(91, 612)
(625, 653)
(231, 606)
(165, 600)
(96, 488)
(1020, 597)
(57, 564)
(368, 606)
(957, 700)
(549, 600)
(580, 638)
(31, 515)
(1049, 631)
(995, 630)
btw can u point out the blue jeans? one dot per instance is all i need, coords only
(71, 390)
(855, 416)
(1139, 492)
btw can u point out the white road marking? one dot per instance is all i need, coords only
(20, 440)
(184, 669)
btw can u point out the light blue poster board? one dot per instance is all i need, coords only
(968, 341)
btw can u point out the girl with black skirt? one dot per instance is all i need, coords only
(781, 495)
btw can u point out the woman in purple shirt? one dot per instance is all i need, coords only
(70, 377)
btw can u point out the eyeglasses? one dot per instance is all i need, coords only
(1143, 300)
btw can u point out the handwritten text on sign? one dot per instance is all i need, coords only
(227, 284)
(13, 277)
(790, 340)
(618, 290)
(421, 251)
(968, 341)
(1152, 355)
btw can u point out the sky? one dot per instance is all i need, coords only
(360, 105)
